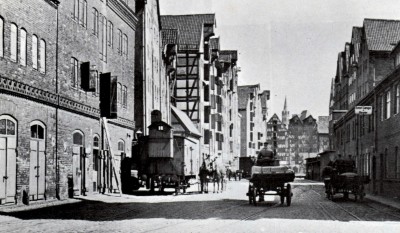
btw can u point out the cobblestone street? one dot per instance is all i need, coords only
(213, 212)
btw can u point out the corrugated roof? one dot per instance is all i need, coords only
(184, 121)
(323, 124)
(189, 26)
(381, 34)
(169, 36)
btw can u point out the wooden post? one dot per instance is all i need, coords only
(117, 177)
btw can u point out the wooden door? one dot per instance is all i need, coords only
(76, 170)
(37, 174)
(3, 168)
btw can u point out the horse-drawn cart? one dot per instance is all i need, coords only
(270, 178)
(342, 178)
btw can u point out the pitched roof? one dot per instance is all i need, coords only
(169, 36)
(189, 26)
(243, 94)
(275, 117)
(323, 124)
(381, 34)
(356, 35)
(183, 122)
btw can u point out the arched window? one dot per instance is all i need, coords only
(119, 93)
(34, 51)
(1, 36)
(77, 138)
(121, 146)
(42, 54)
(8, 126)
(13, 42)
(22, 48)
(38, 130)
(96, 141)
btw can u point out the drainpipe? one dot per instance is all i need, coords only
(57, 105)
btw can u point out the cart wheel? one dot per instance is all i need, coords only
(250, 194)
(288, 195)
(152, 184)
(362, 193)
(282, 199)
(254, 196)
(331, 192)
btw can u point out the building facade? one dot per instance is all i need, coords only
(277, 137)
(254, 119)
(370, 138)
(55, 152)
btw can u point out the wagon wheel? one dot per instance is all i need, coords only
(328, 192)
(152, 184)
(282, 195)
(362, 193)
(254, 193)
(331, 192)
(250, 194)
(288, 195)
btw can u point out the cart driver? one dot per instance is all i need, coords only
(266, 156)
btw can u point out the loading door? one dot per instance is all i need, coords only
(8, 145)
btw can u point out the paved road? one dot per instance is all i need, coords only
(213, 212)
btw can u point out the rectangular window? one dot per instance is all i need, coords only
(22, 48)
(74, 72)
(42, 57)
(95, 22)
(76, 10)
(1, 37)
(13, 42)
(103, 38)
(125, 96)
(119, 48)
(119, 93)
(110, 34)
(34, 51)
(125, 45)
(382, 107)
(82, 12)
(397, 106)
(388, 105)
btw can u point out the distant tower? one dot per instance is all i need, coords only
(285, 115)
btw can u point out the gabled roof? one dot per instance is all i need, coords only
(243, 94)
(381, 34)
(323, 124)
(275, 117)
(304, 114)
(189, 26)
(356, 35)
(183, 122)
(169, 36)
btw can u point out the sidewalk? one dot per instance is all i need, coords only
(392, 202)
(35, 205)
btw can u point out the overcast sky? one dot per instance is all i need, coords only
(288, 46)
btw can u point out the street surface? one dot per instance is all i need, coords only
(229, 211)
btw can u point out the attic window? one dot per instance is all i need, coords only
(160, 128)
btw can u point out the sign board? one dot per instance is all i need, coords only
(363, 110)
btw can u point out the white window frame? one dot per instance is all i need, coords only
(1, 37)
(388, 104)
(397, 99)
(42, 56)
(74, 72)
(14, 42)
(34, 51)
(22, 48)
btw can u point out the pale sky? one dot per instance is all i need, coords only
(290, 47)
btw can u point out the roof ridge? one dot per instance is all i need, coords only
(191, 14)
(390, 20)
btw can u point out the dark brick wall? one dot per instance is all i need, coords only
(38, 18)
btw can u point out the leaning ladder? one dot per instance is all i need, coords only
(105, 124)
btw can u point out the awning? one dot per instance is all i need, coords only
(185, 121)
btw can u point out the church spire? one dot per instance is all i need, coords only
(285, 114)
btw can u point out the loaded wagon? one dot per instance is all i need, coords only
(271, 178)
(342, 178)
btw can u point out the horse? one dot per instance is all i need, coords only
(218, 176)
(203, 174)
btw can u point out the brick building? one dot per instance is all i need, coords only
(374, 80)
(277, 137)
(253, 109)
(55, 152)
(303, 137)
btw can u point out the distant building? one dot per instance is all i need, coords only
(277, 137)
(323, 133)
(252, 107)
